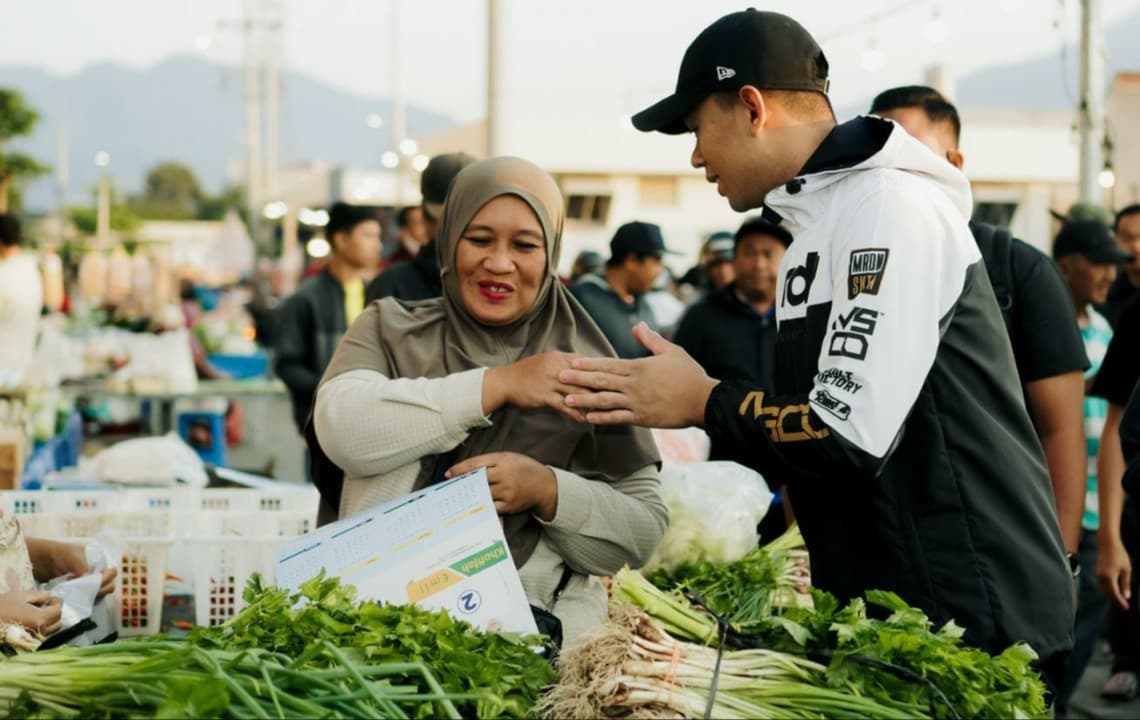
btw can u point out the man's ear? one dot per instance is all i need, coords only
(758, 111)
(956, 158)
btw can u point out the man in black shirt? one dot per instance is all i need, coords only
(732, 332)
(1037, 309)
(313, 320)
(418, 278)
(1127, 285)
(1116, 382)
(615, 299)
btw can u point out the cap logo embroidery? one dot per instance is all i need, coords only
(723, 73)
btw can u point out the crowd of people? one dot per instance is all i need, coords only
(945, 410)
(958, 393)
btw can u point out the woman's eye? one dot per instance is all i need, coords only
(527, 245)
(477, 240)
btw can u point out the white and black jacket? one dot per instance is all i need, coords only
(896, 415)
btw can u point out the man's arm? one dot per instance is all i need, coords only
(294, 344)
(1113, 567)
(853, 414)
(1055, 404)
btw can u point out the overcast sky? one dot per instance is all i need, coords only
(581, 49)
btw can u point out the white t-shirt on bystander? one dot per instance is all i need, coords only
(21, 299)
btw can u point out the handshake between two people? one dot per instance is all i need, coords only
(667, 389)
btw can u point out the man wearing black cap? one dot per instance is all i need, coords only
(418, 278)
(1087, 256)
(616, 298)
(895, 415)
(1039, 317)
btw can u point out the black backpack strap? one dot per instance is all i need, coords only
(1002, 274)
(996, 246)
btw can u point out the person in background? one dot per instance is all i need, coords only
(1087, 257)
(418, 278)
(26, 561)
(314, 319)
(588, 261)
(697, 282)
(21, 300)
(615, 299)
(720, 268)
(1037, 312)
(411, 235)
(665, 303)
(731, 333)
(1127, 285)
(1119, 533)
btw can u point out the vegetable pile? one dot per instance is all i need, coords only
(748, 591)
(631, 667)
(896, 658)
(316, 653)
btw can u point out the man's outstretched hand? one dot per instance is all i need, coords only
(666, 390)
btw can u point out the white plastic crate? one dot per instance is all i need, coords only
(177, 499)
(222, 567)
(249, 524)
(244, 500)
(140, 586)
(24, 502)
(72, 501)
(81, 525)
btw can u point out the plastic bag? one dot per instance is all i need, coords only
(714, 508)
(680, 446)
(148, 461)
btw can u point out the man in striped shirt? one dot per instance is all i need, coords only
(1087, 257)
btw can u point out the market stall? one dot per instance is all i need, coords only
(726, 629)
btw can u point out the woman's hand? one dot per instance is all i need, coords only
(518, 483)
(52, 559)
(33, 609)
(531, 383)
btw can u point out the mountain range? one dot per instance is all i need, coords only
(188, 109)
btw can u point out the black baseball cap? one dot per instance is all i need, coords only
(763, 49)
(436, 179)
(638, 237)
(1091, 239)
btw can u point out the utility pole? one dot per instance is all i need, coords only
(273, 19)
(1092, 109)
(62, 180)
(251, 61)
(495, 16)
(399, 105)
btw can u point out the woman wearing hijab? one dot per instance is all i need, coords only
(422, 391)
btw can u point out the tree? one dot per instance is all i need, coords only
(123, 219)
(214, 207)
(17, 119)
(171, 192)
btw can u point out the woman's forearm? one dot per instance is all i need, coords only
(369, 424)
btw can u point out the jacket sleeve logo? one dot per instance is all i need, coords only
(786, 423)
(850, 333)
(831, 404)
(866, 271)
(842, 380)
(797, 283)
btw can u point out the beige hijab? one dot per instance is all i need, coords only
(435, 338)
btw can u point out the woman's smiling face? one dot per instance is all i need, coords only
(500, 261)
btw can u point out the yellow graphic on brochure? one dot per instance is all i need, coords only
(458, 572)
(432, 584)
